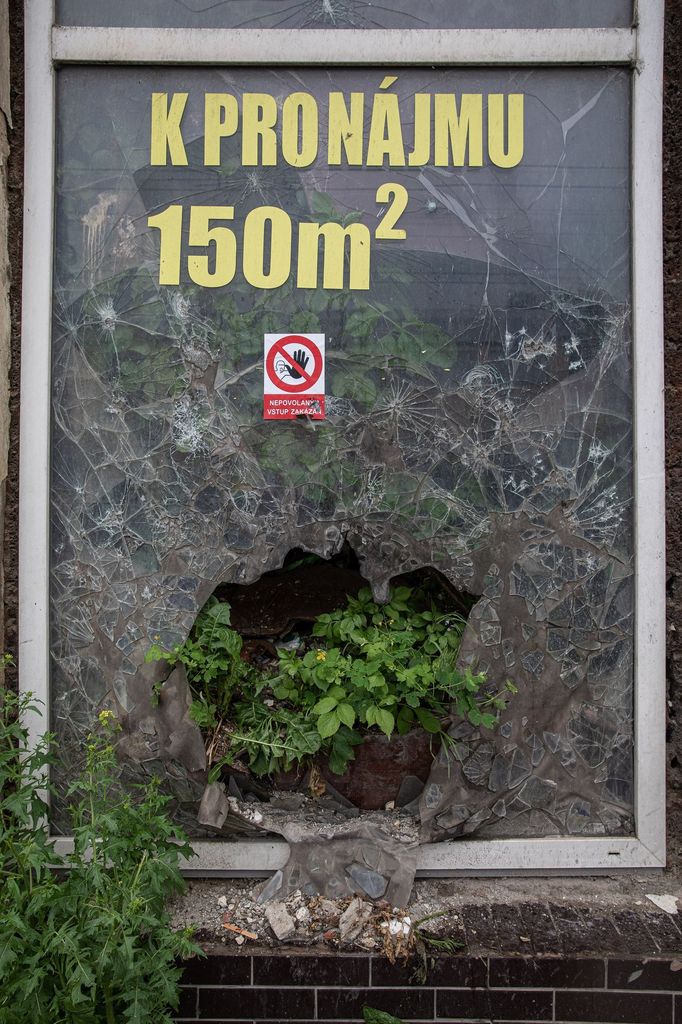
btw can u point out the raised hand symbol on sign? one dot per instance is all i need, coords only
(302, 360)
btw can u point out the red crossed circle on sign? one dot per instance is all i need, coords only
(278, 349)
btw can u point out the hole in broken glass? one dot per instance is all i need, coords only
(305, 685)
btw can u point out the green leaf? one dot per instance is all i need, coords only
(220, 613)
(373, 1016)
(405, 720)
(325, 705)
(427, 720)
(385, 720)
(346, 714)
(203, 714)
(328, 724)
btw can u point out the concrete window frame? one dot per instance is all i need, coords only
(640, 48)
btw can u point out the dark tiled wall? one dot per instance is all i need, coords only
(241, 988)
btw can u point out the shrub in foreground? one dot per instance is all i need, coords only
(95, 944)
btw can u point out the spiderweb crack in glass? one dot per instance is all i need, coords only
(479, 421)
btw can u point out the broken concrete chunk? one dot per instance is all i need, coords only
(328, 908)
(371, 882)
(353, 920)
(280, 920)
(214, 806)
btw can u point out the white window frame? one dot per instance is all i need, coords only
(640, 48)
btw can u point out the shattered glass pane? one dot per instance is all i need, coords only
(329, 14)
(479, 420)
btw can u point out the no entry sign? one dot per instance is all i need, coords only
(293, 376)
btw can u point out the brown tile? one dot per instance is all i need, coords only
(187, 1007)
(313, 971)
(468, 1004)
(408, 1004)
(638, 938)
(645, 974)
(539, 926)
(614, 1007)
(458, 972)
(546, 972)
(508, 926)
(478, 925)
(218, 969)
(442, 971)
(664, 930)
(569, 928)
(256, 1003)
(597, 934)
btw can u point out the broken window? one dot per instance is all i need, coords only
(348, 14)
(456, 241)
(478, 410)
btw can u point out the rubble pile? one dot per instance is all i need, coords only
(350, 922)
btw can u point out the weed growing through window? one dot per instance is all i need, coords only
(388, 668)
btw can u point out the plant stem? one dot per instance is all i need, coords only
(109, 1006)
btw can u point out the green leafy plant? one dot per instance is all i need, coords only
(97, 945)
(366, 667)
(372, 1016)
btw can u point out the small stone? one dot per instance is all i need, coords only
(292, 802)
(302, 914)
(371, 882)
(411, 788)
(354, 919)
(280, 920)
(390, 806)
(222, 901)
(240, 940)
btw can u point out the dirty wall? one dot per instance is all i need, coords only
(672, 213)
